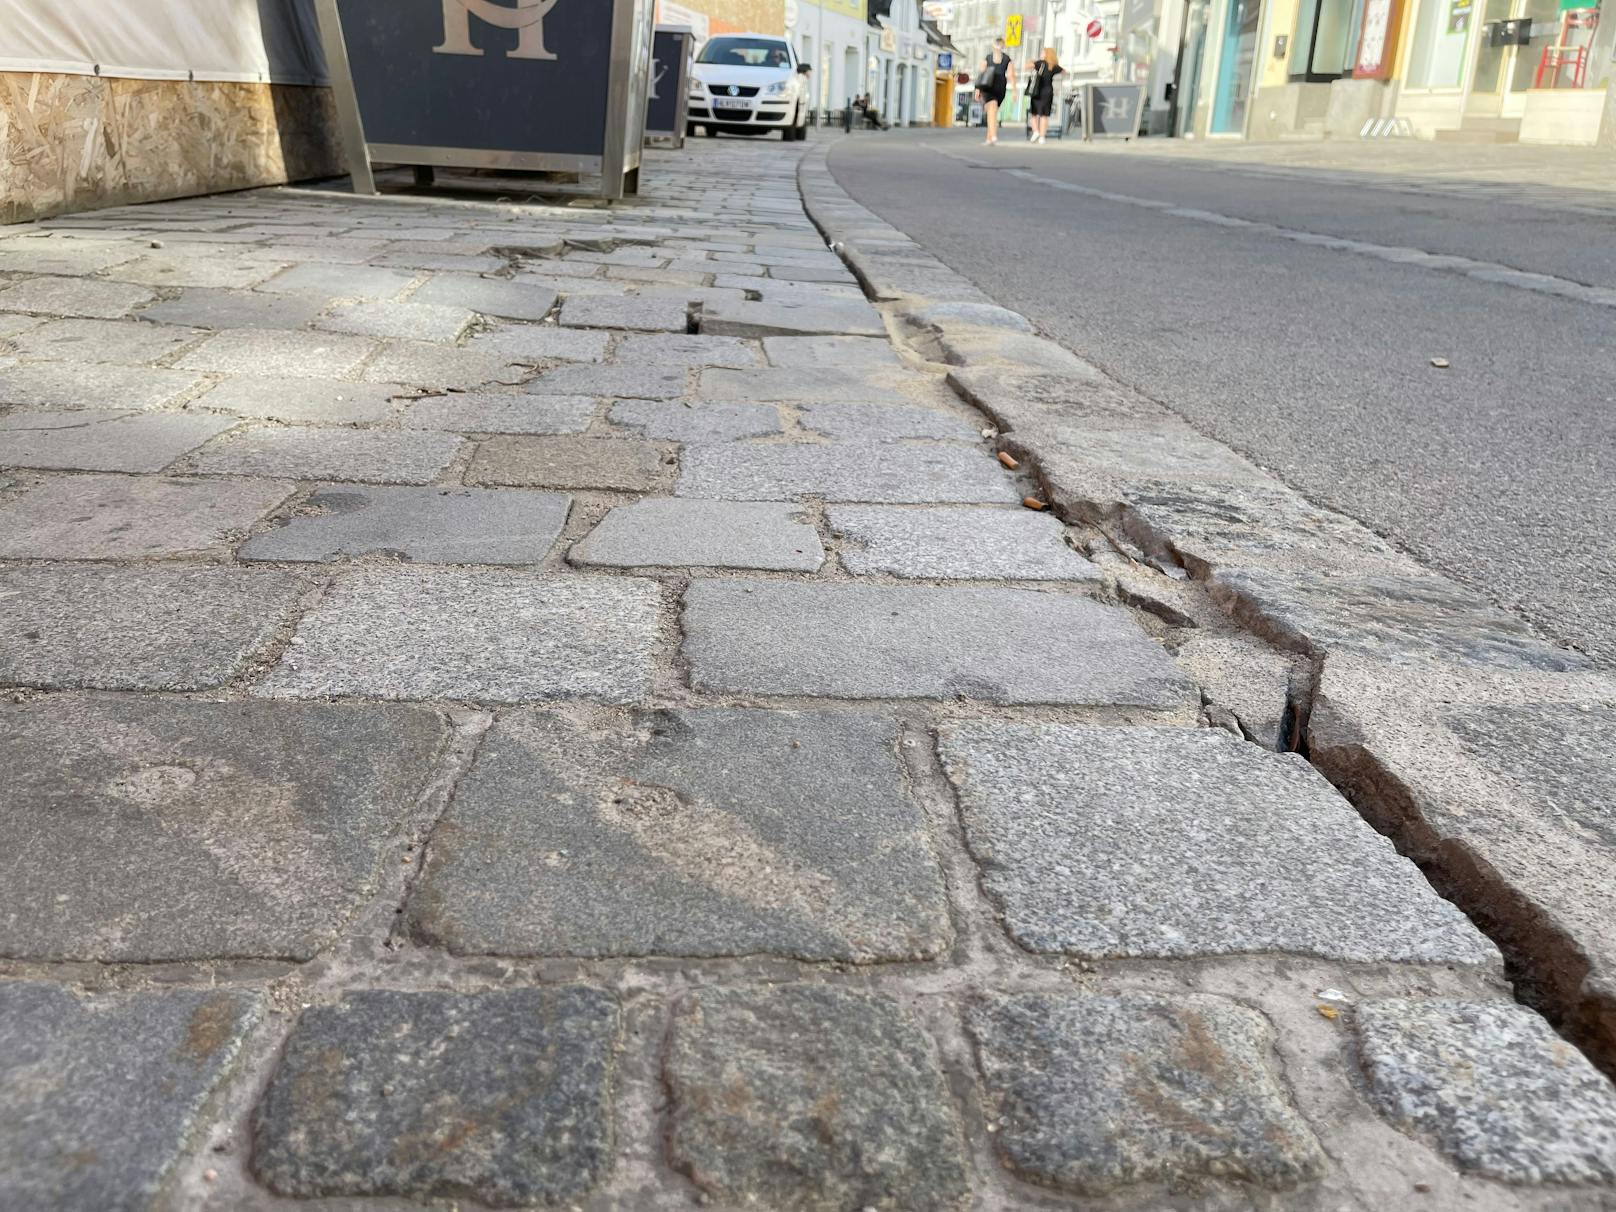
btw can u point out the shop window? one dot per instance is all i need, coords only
(1441, 33)
(1570, 46)
(1325, 40)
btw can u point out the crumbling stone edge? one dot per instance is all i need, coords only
(1388, 646)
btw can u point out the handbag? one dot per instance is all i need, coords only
(984, 81)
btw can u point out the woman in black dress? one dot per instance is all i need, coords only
(1042, 93)
(997, 77)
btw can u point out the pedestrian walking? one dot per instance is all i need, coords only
(1041, 94)
(997, 77)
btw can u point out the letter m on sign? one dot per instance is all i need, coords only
(527, 18)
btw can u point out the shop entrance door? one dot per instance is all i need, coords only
(1486, 96)
(1234, 67)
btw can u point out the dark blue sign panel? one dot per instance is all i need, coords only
(496, 75)
(670, 52)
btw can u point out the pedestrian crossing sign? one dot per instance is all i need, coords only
(1012, 30)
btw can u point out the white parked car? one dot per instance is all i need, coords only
(748, 84)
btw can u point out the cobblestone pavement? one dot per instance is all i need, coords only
(512, 704)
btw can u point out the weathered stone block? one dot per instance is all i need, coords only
(90, 297)
(301, 453)
(685, 350)
(541, 343)
(843, 471)
(677, 421)
(813, 352)
(818, 316)
(73, 385)
(204, 308)
(122, 342)
(652, 382)
(487, 412)
(612, 464)
(704, 534)
(652, 313)
(814, 385)
(293, 355)
(956, 542)
(491, 297)
(319, 401)
(884, 423)
(411, 321)
(334, 281)
(102, 440)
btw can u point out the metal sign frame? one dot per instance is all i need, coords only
(618, 165)
(676, 137)
(1089, 133)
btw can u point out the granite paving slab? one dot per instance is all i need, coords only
(682, 421)
(689, 833)
(609, 464)
(125, 342)
(650, 382)
(199, 830)
(205, 308)
(336, 281)
(488, 296)
(101, 439)
(655, 313)
(484, 636)
(685, 349)
(1093, 1094)
(1170, 842)
(703, 534)
(146, 628)
(542, 343)
(99, 1095)
(844, 471)
(488, 412)
(78, 385)
(311, 401)
(279, 354)
(89, 297)
(884, 423)
(440, 367)
(53, 255)
(957, 542)
(101, 517)
(302, 453)
(811, 385)
(504, 1097)
(412, 321)
(878, 642)
(822, 315)
(1491, 1086)
(421, 525)
(194, 268)
(808, 1097)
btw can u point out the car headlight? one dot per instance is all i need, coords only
(776, 89)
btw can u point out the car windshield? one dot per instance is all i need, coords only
(745, 52)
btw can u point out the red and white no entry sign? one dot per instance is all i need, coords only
(1095, 28)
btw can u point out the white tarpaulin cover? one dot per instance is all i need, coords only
(257, 40)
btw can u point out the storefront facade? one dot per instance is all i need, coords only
(831, 35)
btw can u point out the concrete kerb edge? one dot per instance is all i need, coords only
(1551, 972)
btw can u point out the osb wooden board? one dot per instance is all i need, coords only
(78, 142)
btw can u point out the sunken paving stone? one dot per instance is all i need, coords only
(102, 440)
(844, 471)
(487, 296)
(195, 270)
(199, 830)
(821, 315)
(413, 321)
(811, 385)
(880, 423)
(1491, 1086)
(702, 534)
(956, 542)
(100, 1095)
(340, 281)
(809, 1097)
(368, 455)
(425, 525)
(608, 464)
(89, 297)
(206, 308)
(501, 637)
(678, 421)
(900, 642)
(88, 385)
(719, 832)
(504, 1097)
(1092, 1094)
(685, 350)
(110, 341)
(315, 401)
(98, 517)
(542, 343)
(654, 313)
(296, 355)
(1165, 842)
(151, 628)
(441, 367)
(651, 382)
(486, 412)
(52, 255)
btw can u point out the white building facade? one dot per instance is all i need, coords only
(833, 36)
(901, 66)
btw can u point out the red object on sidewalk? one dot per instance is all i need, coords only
(1559, 58)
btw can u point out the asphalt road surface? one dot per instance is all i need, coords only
(1313, 362)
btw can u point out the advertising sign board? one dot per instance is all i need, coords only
(672, 49)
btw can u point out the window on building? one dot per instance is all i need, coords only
(1437, 53)
(1325, 40)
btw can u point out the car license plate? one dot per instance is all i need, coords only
(731, 103)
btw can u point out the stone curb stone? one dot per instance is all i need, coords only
(807, 1097)
(861, 641)
(502, 1096)
(487, 637)
(423, 525)
(199, 831)
(83, 626)
(99, 1095)
(956, 543)
(1096, 1093)
(1114, 843)
(1492, 1085)
(681, 533)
